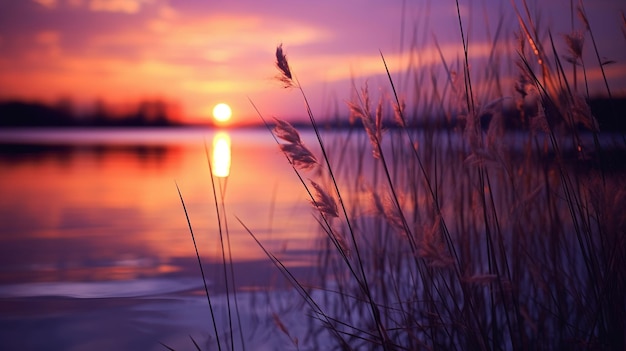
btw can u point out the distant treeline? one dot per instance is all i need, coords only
(62, 114)
(610, 114)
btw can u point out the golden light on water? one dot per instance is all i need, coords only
(221, 155)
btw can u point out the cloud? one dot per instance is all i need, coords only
(50, 4)
(49, 37)
(228, 86)
(338, 67)
(193, 50)
(125, 6)
(48, 44)
(74, 3)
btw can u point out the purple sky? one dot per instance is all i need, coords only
(201, 52)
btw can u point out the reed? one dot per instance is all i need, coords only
(463, 234)
(474, 237)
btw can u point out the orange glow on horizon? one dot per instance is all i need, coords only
(191, 54)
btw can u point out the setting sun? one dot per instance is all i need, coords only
(222, 112)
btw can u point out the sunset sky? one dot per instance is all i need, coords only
(198, 53)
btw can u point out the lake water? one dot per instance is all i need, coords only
(96, 253)
(95, 250)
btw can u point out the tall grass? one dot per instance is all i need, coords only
(464, 234)
(497, 242)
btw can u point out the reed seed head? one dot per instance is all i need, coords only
(398, 113)
(283, 66)
(575, 41)
(372, 124)
(299, 155)
(284, 130)
(386, 208)
(343, 245)
(324, 202)
(582, 114)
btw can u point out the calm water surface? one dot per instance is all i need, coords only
(95, 250)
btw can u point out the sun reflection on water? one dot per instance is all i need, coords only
(221, 155)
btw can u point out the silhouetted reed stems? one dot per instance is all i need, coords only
(206, 288)
(462, 234)
(493, 241)
(227, 263)
(300, 157)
